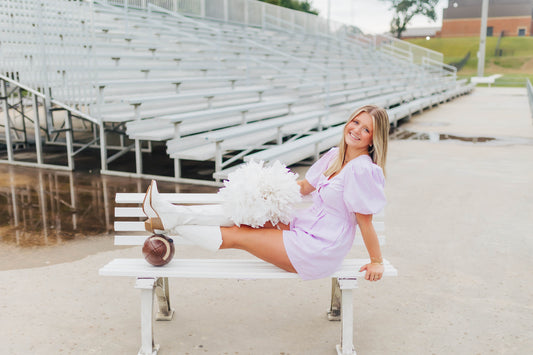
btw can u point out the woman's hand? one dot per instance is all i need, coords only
(374, 271)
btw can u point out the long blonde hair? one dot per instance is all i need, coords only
(380, 139)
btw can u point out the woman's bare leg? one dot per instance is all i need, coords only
(264, 243)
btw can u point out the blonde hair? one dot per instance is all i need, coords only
(380, 139)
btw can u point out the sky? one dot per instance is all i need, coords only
(371, 16)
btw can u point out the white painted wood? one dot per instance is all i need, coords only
(146, 285)
(182, 198)
(347, 346)
(243, 269)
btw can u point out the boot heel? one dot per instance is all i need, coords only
(151, 224)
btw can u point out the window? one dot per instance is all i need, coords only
(489, 31)
(521, 32)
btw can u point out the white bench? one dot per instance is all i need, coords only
(485, 79)
(154, 281)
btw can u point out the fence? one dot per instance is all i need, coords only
(263, 15)
(245, 12)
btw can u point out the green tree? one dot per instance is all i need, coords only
(405, 10)
(304, 6)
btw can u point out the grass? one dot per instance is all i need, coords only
(515, 61)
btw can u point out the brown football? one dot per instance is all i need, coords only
(158, 249)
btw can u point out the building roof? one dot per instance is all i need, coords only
(497, 8)
(420, 32)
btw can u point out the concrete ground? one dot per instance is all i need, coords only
(459, 226)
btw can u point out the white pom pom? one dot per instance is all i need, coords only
(256, 193)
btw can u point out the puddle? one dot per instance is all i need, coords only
(49, 208)
(400, 134)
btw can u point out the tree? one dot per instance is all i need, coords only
(405, 10)
(304, 6)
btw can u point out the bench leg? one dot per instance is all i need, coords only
(334, 313)
(346, 347)
(146, 285)
(163, 301)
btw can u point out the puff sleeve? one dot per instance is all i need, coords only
(321, 165)
(364, 187)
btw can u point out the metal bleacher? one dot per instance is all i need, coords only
(226, 92)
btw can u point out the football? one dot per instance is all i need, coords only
(158, 249)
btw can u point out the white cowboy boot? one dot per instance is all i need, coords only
(164, 215)
(207, 237)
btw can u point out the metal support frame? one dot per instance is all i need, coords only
(161, 289)
(529, 89)
(52, 131)
(7, 121)
(334, 313)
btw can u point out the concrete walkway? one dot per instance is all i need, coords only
(459, 230)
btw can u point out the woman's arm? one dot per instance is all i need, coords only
(374, 270)
(305, 187)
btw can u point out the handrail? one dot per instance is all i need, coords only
(55, 102)
(429, 61)
(397, 52)
(24, 87)
(530, 95)
(408, 47)
(76, 112)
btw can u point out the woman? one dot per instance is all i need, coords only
(347, 186)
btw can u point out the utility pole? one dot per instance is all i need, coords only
(329, 16)
(482, 38)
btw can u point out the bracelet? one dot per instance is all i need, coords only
(376, 261)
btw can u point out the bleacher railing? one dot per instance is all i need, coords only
(529, 89)
(25, 109)
(406, 50)
(263, 15)
(245, 12)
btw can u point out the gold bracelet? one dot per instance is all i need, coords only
(376, 261)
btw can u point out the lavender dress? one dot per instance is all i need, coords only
(321, 235)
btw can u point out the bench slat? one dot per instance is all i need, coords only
(182, 198)
(140, 239)
(138, 226)
(224, 268)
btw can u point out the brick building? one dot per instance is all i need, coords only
(462, 18)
